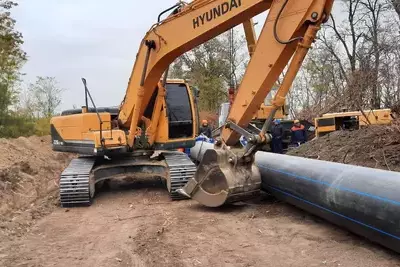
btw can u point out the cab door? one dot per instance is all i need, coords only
(181, 123)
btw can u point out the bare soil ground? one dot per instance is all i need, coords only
(137, 225)
(29, 172)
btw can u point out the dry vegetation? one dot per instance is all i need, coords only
(374, 147)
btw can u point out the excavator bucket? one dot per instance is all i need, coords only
(223, 177)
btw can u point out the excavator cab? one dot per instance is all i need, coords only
(177, 124)
(95, 131)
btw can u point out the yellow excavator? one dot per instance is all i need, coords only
(159, 115)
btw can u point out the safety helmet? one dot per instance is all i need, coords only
(204, 122)
(277, 121)
(296, 121)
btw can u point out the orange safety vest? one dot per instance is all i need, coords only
(294, 128)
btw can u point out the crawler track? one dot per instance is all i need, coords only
(75, 189)
(181, 169)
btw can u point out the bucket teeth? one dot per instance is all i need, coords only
(222, 178)
(182, 192)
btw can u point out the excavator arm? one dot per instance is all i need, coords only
(291, 27)
(190, 26)
(288, 33)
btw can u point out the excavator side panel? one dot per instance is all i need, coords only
(80, 133)
(71, 127)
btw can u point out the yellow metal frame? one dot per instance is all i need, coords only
(372, 117)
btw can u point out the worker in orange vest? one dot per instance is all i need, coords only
(205, 129)
(299, 135)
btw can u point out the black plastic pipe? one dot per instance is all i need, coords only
(362, 200)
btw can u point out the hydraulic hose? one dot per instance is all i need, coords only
(276, 24)
(168, 9)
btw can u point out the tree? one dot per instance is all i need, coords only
(396, 6)
(208, 67)
(176, 70)
(12, 57)
(46, 96)
(354, 64)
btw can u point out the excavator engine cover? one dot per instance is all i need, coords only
(223, 177)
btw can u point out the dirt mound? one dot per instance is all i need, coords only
(373, 146)
(29, 170)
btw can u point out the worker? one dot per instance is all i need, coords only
(205, 129)
(298, 133)
(277, 136)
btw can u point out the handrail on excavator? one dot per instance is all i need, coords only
(87, 93)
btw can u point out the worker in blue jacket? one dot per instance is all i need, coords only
(277, 136)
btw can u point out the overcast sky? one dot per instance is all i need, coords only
(95, 39)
